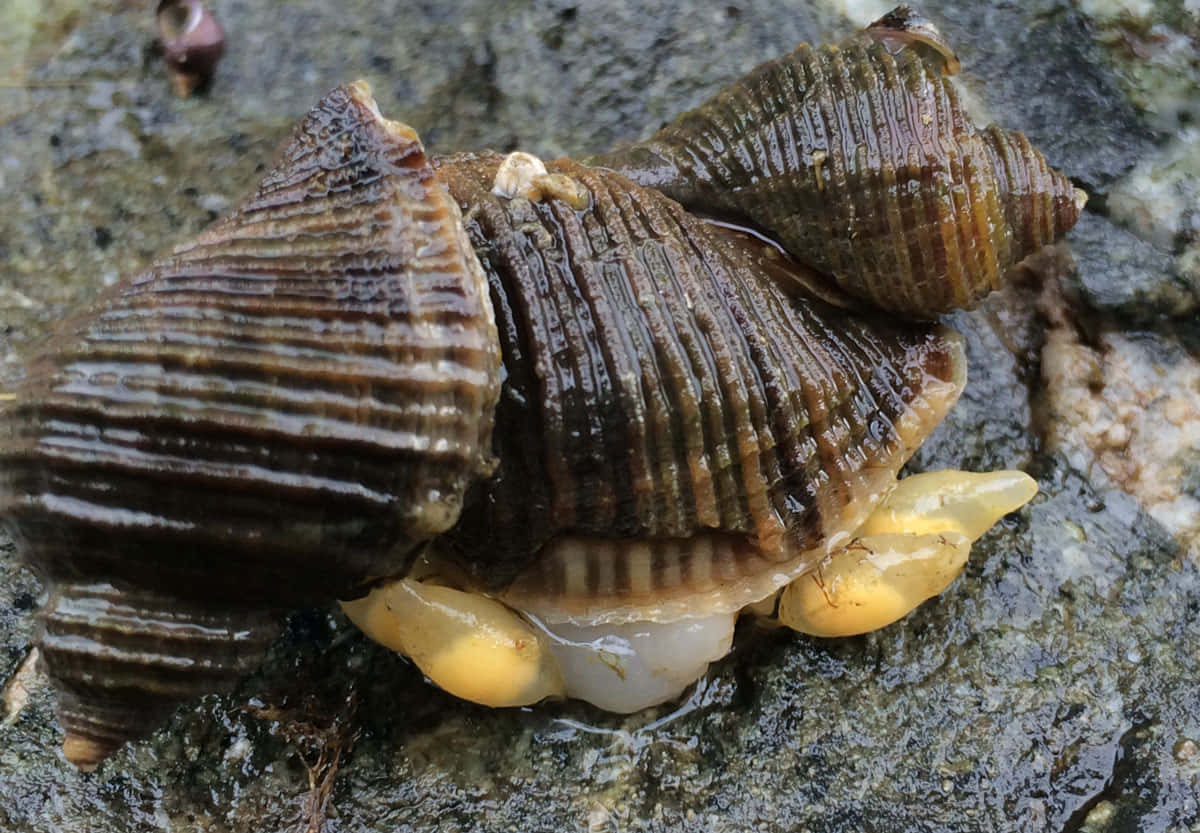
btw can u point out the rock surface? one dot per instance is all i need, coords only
(1055, 686)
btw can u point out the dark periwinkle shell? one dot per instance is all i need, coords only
(192, 42)
(122, 657)
(859, 159)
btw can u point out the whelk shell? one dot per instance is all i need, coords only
(510, 403)
(860, 160)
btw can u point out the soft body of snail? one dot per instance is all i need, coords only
(543, 423)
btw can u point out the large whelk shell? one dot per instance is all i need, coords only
(276, 411)
(680, 429)
(860, 160)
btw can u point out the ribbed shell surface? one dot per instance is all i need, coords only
(861, 162)
(282, 407)
(124, 658)
(661, 384)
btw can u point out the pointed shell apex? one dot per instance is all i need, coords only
(85, 753)
(361, 92)
(904, 27)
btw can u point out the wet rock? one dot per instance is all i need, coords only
(1059, 85)
(990, 427)
(1119, 273)
(1125, 406)
(1160, 197)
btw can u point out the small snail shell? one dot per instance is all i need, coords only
(192, 42)
(598, 405)
(858, 158)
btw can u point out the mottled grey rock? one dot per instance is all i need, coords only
(1038, 67)
(1054, 686)
(1120, 273)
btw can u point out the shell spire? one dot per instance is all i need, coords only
(123, 659)
(302, 393)
(859, 160)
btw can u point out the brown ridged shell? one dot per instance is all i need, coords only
(274, 413)
(123, 658)
(861, 162)
(300, 399)
(663, 384)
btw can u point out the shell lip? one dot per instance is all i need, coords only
(903, 27)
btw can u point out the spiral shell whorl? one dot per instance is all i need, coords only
(123, 659)
(862, 163)
(1040, 203)
(309, 381)
(279, 410)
